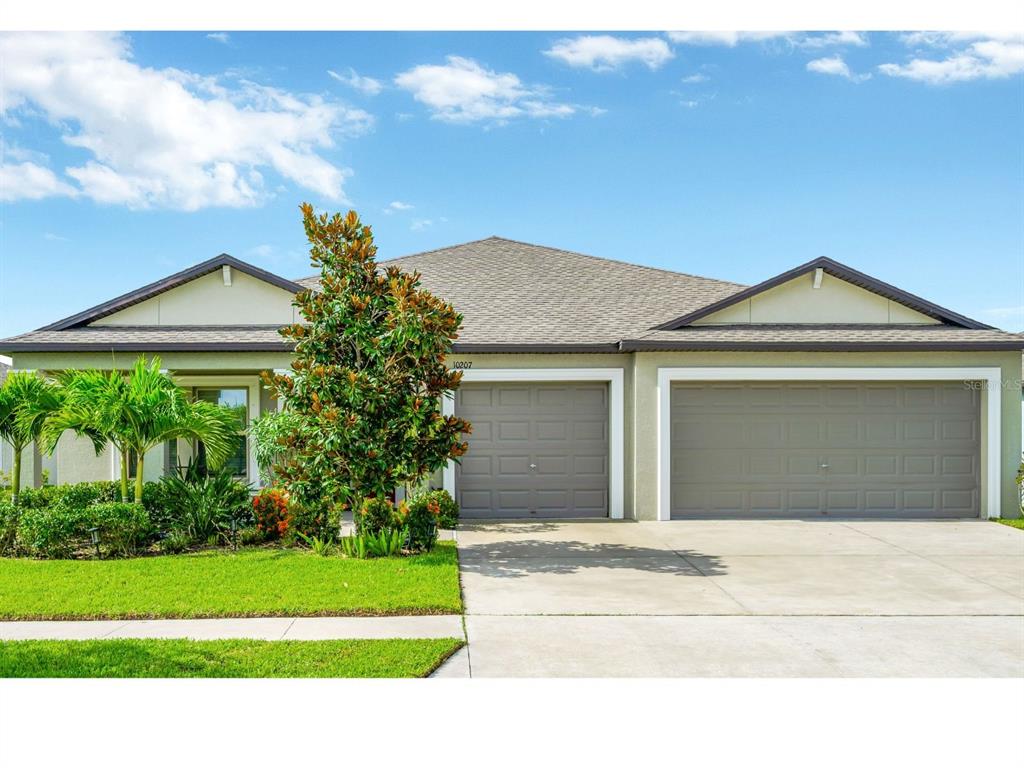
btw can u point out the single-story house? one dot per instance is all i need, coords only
(602, 388)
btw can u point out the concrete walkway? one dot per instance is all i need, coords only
(303, 628)
(732, 598)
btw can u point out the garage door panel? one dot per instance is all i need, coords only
(899, 449)
(545, 453)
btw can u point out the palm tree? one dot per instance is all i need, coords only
(26, 400)
(136, 413)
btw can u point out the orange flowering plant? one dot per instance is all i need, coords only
(271, 510)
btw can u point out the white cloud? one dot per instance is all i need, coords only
(829, 39)
(262, 251)
(972, 56)
(398, 205)
(420, 224)
(834, 65)
(1015, 312)
(220, 37)
(697, 78)
(55, 238)
(796, 39)
(603, 53)
(166, 137)
(462, 91)
(727, 38)
(366, 85)
(28, 181)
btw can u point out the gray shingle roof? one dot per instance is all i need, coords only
(825, 337)
(516, 293)
(520, 297)
(154, 337)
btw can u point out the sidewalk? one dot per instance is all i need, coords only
(273, 628)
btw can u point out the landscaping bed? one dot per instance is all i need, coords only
(1013, 522)
(250, 582)
(224, 658)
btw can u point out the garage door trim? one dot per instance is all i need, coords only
(990, 378)
(616, 417)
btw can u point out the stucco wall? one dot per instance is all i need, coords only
(645, 458)
(208, 301)
(835, 301)
(640, 394)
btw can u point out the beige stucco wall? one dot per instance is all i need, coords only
(645, 456)
(208, 301)
(74, 461)
(640, 393)
(798, 301)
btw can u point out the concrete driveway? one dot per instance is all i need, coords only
(740, 598)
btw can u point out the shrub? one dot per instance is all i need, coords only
(123, 527)
(78, 495)
(314, 520)
(420, 517)
(60, 530)
(375, 515)
(201, 505)
(54, 531)
(175, 542)
(447, 510)
(9, 516)
(271, 512)
(251, 536)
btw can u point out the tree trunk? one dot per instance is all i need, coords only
(124, 476)
(16, 477)
(139, 463)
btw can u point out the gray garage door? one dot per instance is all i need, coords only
(537, 450)
(847, 449)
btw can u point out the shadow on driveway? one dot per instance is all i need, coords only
(519, 558)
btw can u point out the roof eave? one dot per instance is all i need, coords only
(640, 345)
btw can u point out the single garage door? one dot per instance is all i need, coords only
(848, 449)
(536, 450)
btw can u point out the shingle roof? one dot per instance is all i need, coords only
(516, 293)
(153, 337)
(825, 338)
(518, 297)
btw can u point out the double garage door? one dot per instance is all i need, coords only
(738, 449)
(804, 449)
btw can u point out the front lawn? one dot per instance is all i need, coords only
(223, 658)
(259, 582)
(1013, 522)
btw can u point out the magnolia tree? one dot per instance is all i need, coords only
(368, 377)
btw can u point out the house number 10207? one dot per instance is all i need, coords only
(462, 365)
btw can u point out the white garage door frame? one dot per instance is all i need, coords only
(616, 418)
(991, 377)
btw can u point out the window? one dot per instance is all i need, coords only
(237, 400)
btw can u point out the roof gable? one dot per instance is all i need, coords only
(169, 283)
(897, 307)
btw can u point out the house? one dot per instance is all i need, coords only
(602, 388)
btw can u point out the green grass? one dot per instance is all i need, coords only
(1013, 522)
(223, 658)
(259, 582)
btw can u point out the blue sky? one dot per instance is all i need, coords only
(126, 158)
